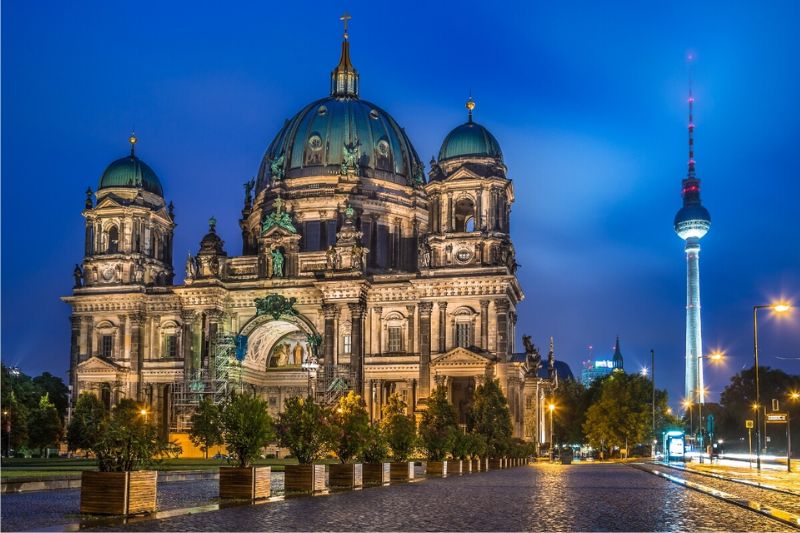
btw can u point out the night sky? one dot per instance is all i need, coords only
(587, 100)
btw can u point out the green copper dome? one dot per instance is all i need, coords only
(470, 140)
(131, 171)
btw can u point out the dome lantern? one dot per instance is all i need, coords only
(344, 78)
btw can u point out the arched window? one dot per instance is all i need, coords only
(464, 327)
(113, 240)
(464, 214)
(394, 326)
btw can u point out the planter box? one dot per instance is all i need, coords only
(249, 483)
(346, 476)
(401, 471)
(304, 478)
(436, 468)
(466, 467)
(376, 473)
(118, 493)
(455, 468)
(494, 464)
(476, 465)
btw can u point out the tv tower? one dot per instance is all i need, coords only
(692, 222)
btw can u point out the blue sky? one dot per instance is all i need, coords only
(587, 99)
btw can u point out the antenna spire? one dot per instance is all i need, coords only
(470, 105)
(133, 140)
(691, 172)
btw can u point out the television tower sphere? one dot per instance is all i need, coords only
(692, 221)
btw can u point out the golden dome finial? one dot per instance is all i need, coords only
(133, 140)
(470, 105)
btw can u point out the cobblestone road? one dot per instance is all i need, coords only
(544, 497)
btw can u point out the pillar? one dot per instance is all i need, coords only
(214, 327)
(89, 324)
(74, 353)
(329, 336)
(410, 319)
(357, 349)
(501, 309)
(187, 318)
(425, 309)
(136, 359)
(449, 211)
(485, 324)
(377, 329)
(442, 327)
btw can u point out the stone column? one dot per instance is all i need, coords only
(410, 319)
(89, 323)
(478, 209)
(329, 336)
(449, 211)
(136, 354)
(214, 327)
(425, 309)
(357, 350)
(485, 324)
(377, 329)
(442, 327)
(187, 318)
(501, 309)
(74, 353)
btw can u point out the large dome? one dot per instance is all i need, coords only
(132, 172)
(470, 140)
(313, 142)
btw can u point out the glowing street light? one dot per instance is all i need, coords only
(777, 307)
(551, 407)
(644, 371)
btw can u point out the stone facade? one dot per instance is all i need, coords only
(351, 261)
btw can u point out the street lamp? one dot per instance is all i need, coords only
(793, 397)
(687, 405)
(143, 412)
(779, 307)
(7, 414)
(551, 407)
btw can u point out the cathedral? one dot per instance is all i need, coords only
(358, 271)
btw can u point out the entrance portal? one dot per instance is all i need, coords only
(461, 394)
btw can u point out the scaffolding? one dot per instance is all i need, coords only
(332, 384)
(211, 382)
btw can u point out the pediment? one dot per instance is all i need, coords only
(461, 357)
(278, 232)
(96, 365)
(107, 202)
(463, 173)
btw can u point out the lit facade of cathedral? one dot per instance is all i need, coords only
(357, 272)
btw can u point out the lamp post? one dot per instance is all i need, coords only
(687, 404)
(7, 414)
(143, 412)
(551, 407)
(780, 307)
(793, 397)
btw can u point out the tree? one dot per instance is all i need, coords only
(349, 427)
(438, 427)
(475, 445)
(128, 441)
(246, 427)
(16, 421)
(460, 446)
(738, 398)
(489, 416)
(399, 429)
(87, 421)
(44, 426)
(303, 428)
(621, 416)
(206, 425)
(376, 449)
(56, 390)
(573, 400)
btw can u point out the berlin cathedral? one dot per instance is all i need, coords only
(357, 272)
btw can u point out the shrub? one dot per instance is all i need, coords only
(489, 416)
(128, 441)
(44, 425)
(87, 422)
(302, 427)
(349, 427)
(207, 425)
(376, 449)
(399, 429)
(246, 427)
(438, 428)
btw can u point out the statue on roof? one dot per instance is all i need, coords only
(532, 356)
(276, 167)
(350, 154)
(77, 273)
(278, 218)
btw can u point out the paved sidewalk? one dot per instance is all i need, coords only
(782, 480)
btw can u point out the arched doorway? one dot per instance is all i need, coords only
(286, 342)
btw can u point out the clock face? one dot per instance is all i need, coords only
(463, 255)
(108, 274)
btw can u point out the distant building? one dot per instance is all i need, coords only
(602, 366)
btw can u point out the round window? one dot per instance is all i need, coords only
(322, 111)
(315, 142)
(383, 148)
(463, 255)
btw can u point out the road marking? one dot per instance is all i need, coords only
(733, 480)
(772, 512)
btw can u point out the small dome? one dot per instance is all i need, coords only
(131, 171)
(313, 142)
(211, 244)
(470, 140)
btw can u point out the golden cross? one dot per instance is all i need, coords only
(345, 18)
(278, 203)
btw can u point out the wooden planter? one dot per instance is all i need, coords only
(304, 478)
(249, 483)
(401, 471)
(455, 468)
(494, 464)
(376, 473)
(476, 465)
(118, 493)
(436, 468)
(346, 476)
(466, 466)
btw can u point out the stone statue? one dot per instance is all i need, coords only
(350, 156)
(171, 210)
(88, 204)
(424, 251)
(138, 271)
(276, 167)
(77, 273)
(248, 189)
(277, 263)
(191, 267)
(332, 258)
(532, 356)
(358, 257)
